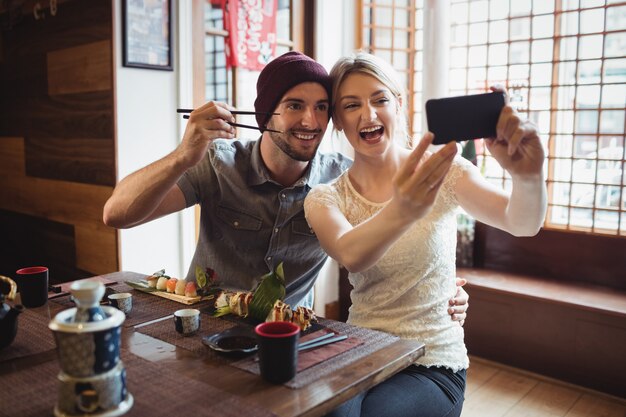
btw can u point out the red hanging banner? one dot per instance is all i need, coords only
(251, 27)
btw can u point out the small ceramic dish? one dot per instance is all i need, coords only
(239, 340)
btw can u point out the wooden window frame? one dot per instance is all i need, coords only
(553, 253)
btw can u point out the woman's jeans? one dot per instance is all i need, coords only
(415, 391)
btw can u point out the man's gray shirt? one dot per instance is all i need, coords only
(249, 223)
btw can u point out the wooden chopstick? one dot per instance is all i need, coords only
(233, 112)
(246, 126)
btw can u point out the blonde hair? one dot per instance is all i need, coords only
(364, 63)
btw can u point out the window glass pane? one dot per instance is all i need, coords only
(588, 96)
(615, 44)
(401, 18)
(479, 10)
(283, 20)
(564, 121)
(616, 18)
(569, 49)
(540, 99)
(604, 219)
(562, 169)
(585, 147)
(459, 13)
(542, 50)
(383, 16)
(499, 31)
(478, 33)
(560, 193)
(541, 75)
(570, 4)
(497, 75)
(615, 70)
(586, 121)
(613, 95)
(592, 21)
(520, 28)
(382, 38)
(498, 10)
(543, 6)
(591, 3)
(498, 54)
(477, 56)
(590, 46)
(519, 52)
(520, 7)
(543, 26)
(612, 121)
(569, 23)
(563, 145)
(589, 72)
(567, 72)
(519, 73)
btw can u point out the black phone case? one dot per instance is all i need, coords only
(464, 117)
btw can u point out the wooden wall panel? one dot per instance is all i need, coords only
(57, 141)
(88, 161)
(87, 115)
(94, 244)
(80, 69)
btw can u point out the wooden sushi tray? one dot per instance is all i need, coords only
(143, 286)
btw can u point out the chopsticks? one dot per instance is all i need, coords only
(233, 112)
(321, 341)
(186, 116)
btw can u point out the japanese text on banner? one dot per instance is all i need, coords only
(251, 26)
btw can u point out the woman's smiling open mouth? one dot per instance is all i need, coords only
(372, 132)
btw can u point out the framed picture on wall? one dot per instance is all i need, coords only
(147, 34)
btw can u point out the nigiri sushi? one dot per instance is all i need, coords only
(171, 285)
(152, 281)
(180, 287)
(162, 283)
(190, 289)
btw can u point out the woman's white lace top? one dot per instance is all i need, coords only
(407, 292)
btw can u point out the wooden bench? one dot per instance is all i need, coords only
(554, 304)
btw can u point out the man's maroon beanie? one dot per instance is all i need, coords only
(282, 74)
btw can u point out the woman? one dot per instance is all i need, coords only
(390, 220)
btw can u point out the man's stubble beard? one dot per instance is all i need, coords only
(280, 141)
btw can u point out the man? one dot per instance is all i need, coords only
(251, 193)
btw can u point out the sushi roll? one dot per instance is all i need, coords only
(190, 289)
(162, 283)
(180, 287)
(171, 285)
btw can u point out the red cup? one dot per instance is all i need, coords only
(278, 350)
(32, 284)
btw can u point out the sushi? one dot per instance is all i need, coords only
(180, 287)
(171, 285)
(162, 283)
(190, 289)
(152, 281)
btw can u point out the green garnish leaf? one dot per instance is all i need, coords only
(270, 289)
(200, 277)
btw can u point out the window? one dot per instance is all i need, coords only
(564, 65)
(234, 86)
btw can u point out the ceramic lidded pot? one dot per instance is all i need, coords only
(8, 314)
(92, 377)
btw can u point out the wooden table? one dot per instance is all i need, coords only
(315, 399)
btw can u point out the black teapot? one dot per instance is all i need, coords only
(8, 314)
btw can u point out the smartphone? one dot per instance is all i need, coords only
(464, 117)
